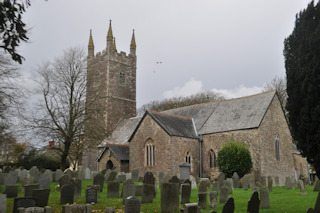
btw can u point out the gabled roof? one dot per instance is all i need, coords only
(173, 125)
(120, 151)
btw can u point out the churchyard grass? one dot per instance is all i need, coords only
(281, 200)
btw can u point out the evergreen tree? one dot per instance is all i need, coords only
(302, 62)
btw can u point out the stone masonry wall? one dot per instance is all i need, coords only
(105, 158)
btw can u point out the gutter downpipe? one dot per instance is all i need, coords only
(200, 153)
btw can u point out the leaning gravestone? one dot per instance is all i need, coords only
(229, 206)
(169, 197)
(185, 193)
(28, 189)
(99, 180)
(135, 175)
(317, 186)
(235, 180)
(301, 187)
(64, 180)
(213, 202)
(264, 197)
(202, 200)
(11, 191)
(128, 189)
(44, 181)
(113, 189)
(3, 201)
(132, 205)
(223, 194)
(106, 175)
(91, 195)
(254, 203)
(66, 194)
(112, 176)
(42, 196)
(77, 185)
(23, 202)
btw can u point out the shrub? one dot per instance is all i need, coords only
(234, 157)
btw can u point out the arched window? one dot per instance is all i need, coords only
(188, 158)
(122, 78)
(212, 159)
(150, 159)
(277, 147)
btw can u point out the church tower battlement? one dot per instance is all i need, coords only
(111, 82)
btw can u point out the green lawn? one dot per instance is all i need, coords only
(281, 200)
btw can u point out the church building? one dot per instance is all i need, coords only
(160, 141)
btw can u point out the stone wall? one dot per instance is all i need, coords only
(106, 157)
(170, 151)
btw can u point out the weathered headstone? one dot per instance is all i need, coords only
(28, 189)
(23, 173)
(263, 182)
(87, 174)
(264, 198)
(128, 189)
(224, 192)
(185, 193)
(148, 193)
(77, 185)
(213, 199)
(215, 186)
(97, 187)
(132, 205)
(106, 175)
(148, 178)
(91, 195)
(128, 176)
(276, 180)
(270, 183)
(11, 191)
(2, 176)
(228, 206)
(113, 189)
(139, 189)
(77, 208)
(28, 179)
(3, 201)
(175, 179)
(317, 186)
(42, 196)
(99, 180)
(202, 200)
(64, 180)
(193, 182)
(34, 171)
(49, 175)
(112, 176)
(245, 183)
(190, 208)
(254, 203)
(10, 179)
(184, 170)
(301, 187)
(221, 179)
(235, 180)
(135, 175)
(69, 173)
(169, 197)
(46, 209)
(204, 185)
(229, 184)
(288, 183)
(110, 210)
(44, 181)
(122, 178)
(23, 202)
(67, 194)
(58, 174)
(161, 177)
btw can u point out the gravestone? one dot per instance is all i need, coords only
(113, 189)
(46, 209)
(112, 176)
(35, 173)
(270, 183)
(99, 180)
(204, 185)
(301, 187)
(2, 176)
(23, 202)
(317, 186)
(28, 179)
(229, 184)
(288, 183)
(263, 182)
(42, 196)
(185, 193)
(10, 179)
(254, 203)
(202, 200)
(166, 179)
(213, 199)
(128, 189)
(235, 180)
(264, 198)
(77, 185)
(67, 194)
(110, 210)
(87, 174)
(97, 187)
(91, 195)
(23, 173)
(3, 201)
(190, 208)
(184, 170)
(11, 191)
(193, 182)
(132, 205)
(69, 173)
(128, 176)
(139, 189)
(276, 180)
(28, 189)
(161, 177)
(148, 193)
(64, 180)
(215, 186)
(245, 183)
(224, 192)
(122, 178)
(77, 208)
(58, 175)
(169, 197)
(106, 175)
(44, 181)
(228, 206)
(49, 175)
(187, 181)
(148, 178)
(135, 175)
(317, 205)
(221, 179)
(175, 179)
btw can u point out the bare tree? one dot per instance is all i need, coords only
(60, 115)
(280, 85)
(178, 102)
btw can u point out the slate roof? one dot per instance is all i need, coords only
(120, 151)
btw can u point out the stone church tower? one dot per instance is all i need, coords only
(111, 91)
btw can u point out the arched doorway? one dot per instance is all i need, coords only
(109, 165)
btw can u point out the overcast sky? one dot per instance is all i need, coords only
(234, 47)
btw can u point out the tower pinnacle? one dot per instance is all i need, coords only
(90, 46)
(133, 45)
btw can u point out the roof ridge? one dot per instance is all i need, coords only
(173, 115)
